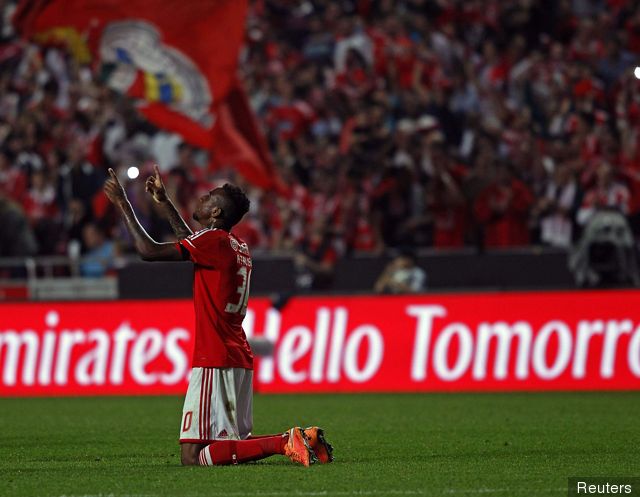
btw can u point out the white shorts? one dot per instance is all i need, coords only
(218, 405)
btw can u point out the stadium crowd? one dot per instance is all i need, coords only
(393, 123)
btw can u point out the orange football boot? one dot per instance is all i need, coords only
(297, 448)
(319, 445)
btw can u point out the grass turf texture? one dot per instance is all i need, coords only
(491, 444)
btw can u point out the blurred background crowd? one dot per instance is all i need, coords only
(393, 123)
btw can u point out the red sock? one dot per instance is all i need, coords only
(283, 439)
(239, 451)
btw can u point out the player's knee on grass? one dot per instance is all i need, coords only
(189, 454)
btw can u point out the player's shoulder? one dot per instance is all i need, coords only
(207, 237)
(238, 244)
(208, 233)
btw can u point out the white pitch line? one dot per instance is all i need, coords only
(352, 492)
(500, 490)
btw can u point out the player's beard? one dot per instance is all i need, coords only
(195, 216)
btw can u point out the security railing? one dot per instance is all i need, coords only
(53, 278)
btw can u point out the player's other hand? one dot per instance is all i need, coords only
(155, 187)
(113, 188)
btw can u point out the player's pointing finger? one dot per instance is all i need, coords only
(114, 177)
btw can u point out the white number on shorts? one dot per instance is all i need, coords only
(243, 290)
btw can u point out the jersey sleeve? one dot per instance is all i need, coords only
(204, 247)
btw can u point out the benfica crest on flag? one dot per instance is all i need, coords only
(177, 59)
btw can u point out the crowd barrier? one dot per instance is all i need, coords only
(588, 340)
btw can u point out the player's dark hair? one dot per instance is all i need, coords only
(236, 204)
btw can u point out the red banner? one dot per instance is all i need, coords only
(178, 59)
(479, 342)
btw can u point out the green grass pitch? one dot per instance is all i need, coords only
(507, 445)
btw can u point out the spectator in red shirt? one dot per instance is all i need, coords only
(316, 259)
(503, 210)
(445, 199)
(13, 182)
(40, 200)
(287, 115)
(42, 211)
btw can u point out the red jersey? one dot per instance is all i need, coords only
(508, 228)
(220, 294)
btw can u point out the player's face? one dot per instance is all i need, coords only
(208, 209)
(202, 213)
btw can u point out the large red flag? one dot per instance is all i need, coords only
(178, 58)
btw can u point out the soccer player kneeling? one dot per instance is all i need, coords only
(217, 417)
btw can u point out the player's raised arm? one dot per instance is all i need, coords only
(155, 187)
(146, 246)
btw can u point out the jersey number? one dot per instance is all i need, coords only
(187, 421)
(243, 290)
